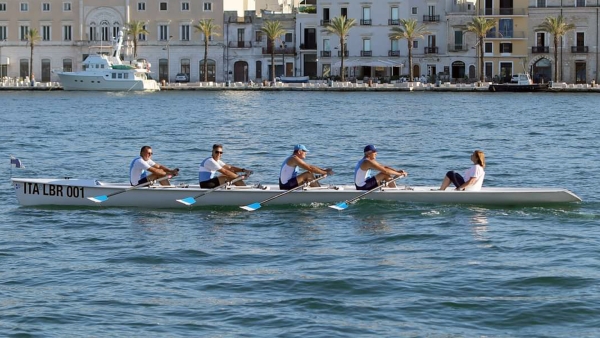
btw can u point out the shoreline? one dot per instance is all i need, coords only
(334, 87)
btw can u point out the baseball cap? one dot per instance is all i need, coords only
(300, 147)
(370, 148)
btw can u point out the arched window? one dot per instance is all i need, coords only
(212, 70)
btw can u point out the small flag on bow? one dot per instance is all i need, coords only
(16, 162)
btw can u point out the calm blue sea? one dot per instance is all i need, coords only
(375, 270)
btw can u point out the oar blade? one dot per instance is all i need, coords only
(340, 206)
(187, 201)
(98, 199)
(251, 207)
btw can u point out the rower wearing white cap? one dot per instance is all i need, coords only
(289, 176)
(363, 173)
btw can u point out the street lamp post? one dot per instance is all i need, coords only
(168, 59)
(1, 66)
(283, 46)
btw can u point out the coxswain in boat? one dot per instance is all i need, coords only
(473, 179)
(364, 179)
(213, 164)
(289, 175)
(143, 169)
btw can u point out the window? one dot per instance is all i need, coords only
(366, 16)
(414, 10)
(289, 38)
(488, 70)
(258, 36)
(394, 13)
(141, 6)
(162, 6)
(326, 45)
(366, 47)
(2, 32)
(210, 38)
(185, 33)
(23, 30)
(66, 6)
(488, 48)
(185, 6)
(24, 68)
(415, 44)
(163, 32)
(46, 33)
(208, 6)
(259, 69)
(24, 7)
(2, 7)
(142, 36)
(45, 7)
(506, 48)
(185, 67)
(394, 45)
(67, 33)
(541, 3)
(580, 3)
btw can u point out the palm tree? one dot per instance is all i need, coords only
(410, 30)
(480, 26)
(272, 30)
(208, 28)
(557, 27)
(33, 37)
(341, 26)
(135, 28)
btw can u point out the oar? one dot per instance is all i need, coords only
(257, 205)
(192, 200)
(343, 205)
(102, 198)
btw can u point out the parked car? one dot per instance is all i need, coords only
(182, 77)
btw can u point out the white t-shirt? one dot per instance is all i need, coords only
(478, 172)
(139, 169)
(208, 169)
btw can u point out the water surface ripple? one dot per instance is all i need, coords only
(378, 269)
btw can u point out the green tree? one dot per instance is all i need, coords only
(135, 28)
(558, 27)
(410, 30)
(208, 28)
(272, 30)
(480, 26)
(341, 26)
(33, 37)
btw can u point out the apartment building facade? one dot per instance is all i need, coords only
(71, 29)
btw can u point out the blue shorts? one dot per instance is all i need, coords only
(370, 183)
(142, 180)
(455, 178)
(291, 184)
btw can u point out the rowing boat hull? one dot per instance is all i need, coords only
(75, 192)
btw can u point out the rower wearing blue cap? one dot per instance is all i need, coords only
(289, 176)
(364, 179)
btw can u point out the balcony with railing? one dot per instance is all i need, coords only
(394, 22)
(340, 53)
(366, 53)
(431, 18)
(366, 22)
(286, 50)
(458, 47)
(393, 53)
(240, 19)
(308, 46)
(239, 44)
(540, 49)
(430, 50)
(325, 22)
(325, 53)
(505, 11)
(506, 35)
(579, 49)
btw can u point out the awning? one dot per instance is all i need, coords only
(362, 62)
(4, 60)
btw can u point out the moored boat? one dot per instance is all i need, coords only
(294, 79)
(77, 192)
(522, 83)
(104, 72)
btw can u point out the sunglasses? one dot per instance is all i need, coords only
(218, 152)
(150, 153)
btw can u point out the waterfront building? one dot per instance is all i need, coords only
(506, 45)
(578, 49)
(70, 28)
